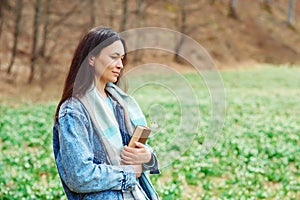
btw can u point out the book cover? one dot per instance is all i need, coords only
(140, 134)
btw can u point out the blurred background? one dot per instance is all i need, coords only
(38, 37)
(255, 45)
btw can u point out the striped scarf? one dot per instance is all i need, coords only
(107, 128)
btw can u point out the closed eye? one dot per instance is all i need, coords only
(117, 57)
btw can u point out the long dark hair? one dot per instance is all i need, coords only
(81, 74)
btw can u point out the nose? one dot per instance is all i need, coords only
(119, 63)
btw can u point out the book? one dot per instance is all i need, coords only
(140, 134)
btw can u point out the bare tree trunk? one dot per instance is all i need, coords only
(110, 13)
(3, 6)
(139, 13)
(1, 24)
(124, 16)
(46, 28)
(16, 34)
(44, 42)
(232, 9)
(65, 16)
(267, 5)
(212, 2)
(291, 12)
(1, 19)
(111, 17)
(177, 58)
(34, 53)
(138, 24)
(92, 13)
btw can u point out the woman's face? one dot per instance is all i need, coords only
(108, 64)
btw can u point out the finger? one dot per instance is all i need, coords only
(128, 155)
(124, 162)
(141, 148)
(130, 162)
(130, 149)
(139, 144)
(127, 159)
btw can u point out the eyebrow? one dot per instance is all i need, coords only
(118, 54)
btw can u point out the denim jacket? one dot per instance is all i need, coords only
(81, 159)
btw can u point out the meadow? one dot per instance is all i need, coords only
(256, 156)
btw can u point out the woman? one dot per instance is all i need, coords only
(93, 124)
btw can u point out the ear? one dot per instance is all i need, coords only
(92, 61)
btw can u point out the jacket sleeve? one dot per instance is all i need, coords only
(75, 159)
(152, 165)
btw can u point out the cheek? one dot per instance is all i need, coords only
(102, 65)
(99, 70)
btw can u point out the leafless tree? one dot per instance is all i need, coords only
(45, 28)
(65, 16)
(138, 24)
(92, 13)
(4, 6)
(34, 50)
(45, 32)
(19, 6)
(212, 2)
(51, 29)
(139, 13)
(1, 24)
(110, 13)
(232, 9)
(266, 4)
(124, 16)
(291, 8)
(183, 26)
(1, 19)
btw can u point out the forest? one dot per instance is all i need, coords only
(40, 35)
(218, 83)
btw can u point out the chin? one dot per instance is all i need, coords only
(113, 80)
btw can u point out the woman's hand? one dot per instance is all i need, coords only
(135, 156)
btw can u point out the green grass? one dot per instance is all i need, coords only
(26, 160)
(257, 155)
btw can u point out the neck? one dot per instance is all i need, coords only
(101, 87)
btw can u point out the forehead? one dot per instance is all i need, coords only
(115, 47)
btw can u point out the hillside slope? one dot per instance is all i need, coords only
(257, 36)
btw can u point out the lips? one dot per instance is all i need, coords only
(116, 73)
